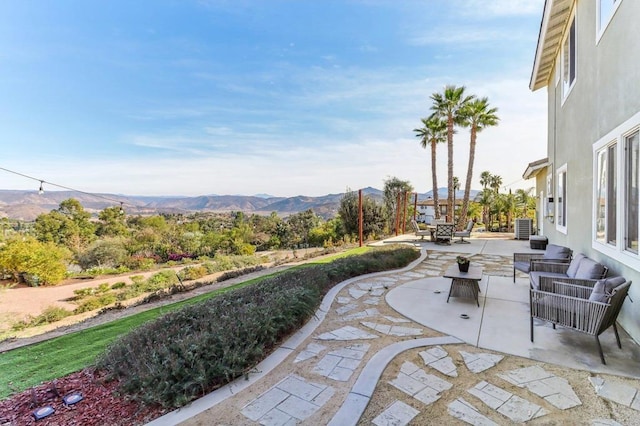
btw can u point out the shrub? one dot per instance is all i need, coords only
(118, 285)
(189, 352)
(95, 302)
(49, 315)
(192, 272)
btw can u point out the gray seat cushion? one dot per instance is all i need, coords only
(574, 265)
(604, 289)
(589, 269)
(556, 252)
(522, 265)
(534, 277)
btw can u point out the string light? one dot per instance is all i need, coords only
(42, 182)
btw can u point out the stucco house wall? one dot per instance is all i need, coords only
(603, 100)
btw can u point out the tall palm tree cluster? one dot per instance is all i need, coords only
(450, 109)
(496, 206)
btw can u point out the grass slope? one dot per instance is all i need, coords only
(31, 365)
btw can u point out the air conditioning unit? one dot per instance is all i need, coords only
(523, 228)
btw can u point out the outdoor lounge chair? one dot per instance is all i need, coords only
(444, 233)
(553, 253)
(419, 232)
(464, 233)
(586, 306)
(581, 267)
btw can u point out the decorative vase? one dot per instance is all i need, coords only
(464, 267)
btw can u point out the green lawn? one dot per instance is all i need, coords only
(30, 365)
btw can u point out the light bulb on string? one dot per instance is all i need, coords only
(41, 189)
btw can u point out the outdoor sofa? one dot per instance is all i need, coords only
(553, 253)
(581, 267)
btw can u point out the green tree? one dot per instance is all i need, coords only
(373, 217)
(112, 222)
(39, 263)
(394, 191)
(106, 252)
(69, 226)
(300, 224)
(433, 133)
(477, 115)
(448, 106)
(525, 201)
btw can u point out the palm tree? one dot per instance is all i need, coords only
(495, 182)
(477, 116)
(485, 178)
(448, 105)
(525, 200)
(485, 200)
(433, 132)
(456, 187)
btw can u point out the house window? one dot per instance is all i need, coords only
(569, 59)
(561, 204)
(605, 11)
(616, 193)
(606, 193)
(631, 197)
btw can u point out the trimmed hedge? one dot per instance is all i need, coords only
(190, 352)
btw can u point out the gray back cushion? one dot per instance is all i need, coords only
(603, 289)
(556, 252)
(589, 269)
(574, 265)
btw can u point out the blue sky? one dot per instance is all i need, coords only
(178, 97)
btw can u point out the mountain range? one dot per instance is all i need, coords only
(27, 205)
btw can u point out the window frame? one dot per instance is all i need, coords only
(618, 135)
(610, 184)
(573, 59)
(561, 194)
(603, 23)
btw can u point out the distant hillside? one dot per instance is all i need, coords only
(27, 205)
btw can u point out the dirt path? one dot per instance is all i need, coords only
(21, 302)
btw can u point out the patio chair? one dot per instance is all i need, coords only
(464, 233)
(419, 232)
(444, 233)
(585, 306)
(553, 253)
(581, 267)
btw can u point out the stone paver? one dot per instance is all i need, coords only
(372, 301)
(343, 300)
(555, 390)
(512, 406)
(356, 293)
(439, 359)
(372, 312)
(291, 400)
(346, 333)
(605, 422)
(415, 382)
(393, 330)
(397, 414)
(346, 308)
(477, 363)
(312, 350)
(395, 319)
(341, 363)
(620, 393)
(462, 410)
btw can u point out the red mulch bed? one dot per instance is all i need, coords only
(101, 404)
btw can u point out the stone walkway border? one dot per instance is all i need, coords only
(290, 345)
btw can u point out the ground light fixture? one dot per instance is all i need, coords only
(43, 412)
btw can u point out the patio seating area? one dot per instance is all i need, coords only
(344, 356)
